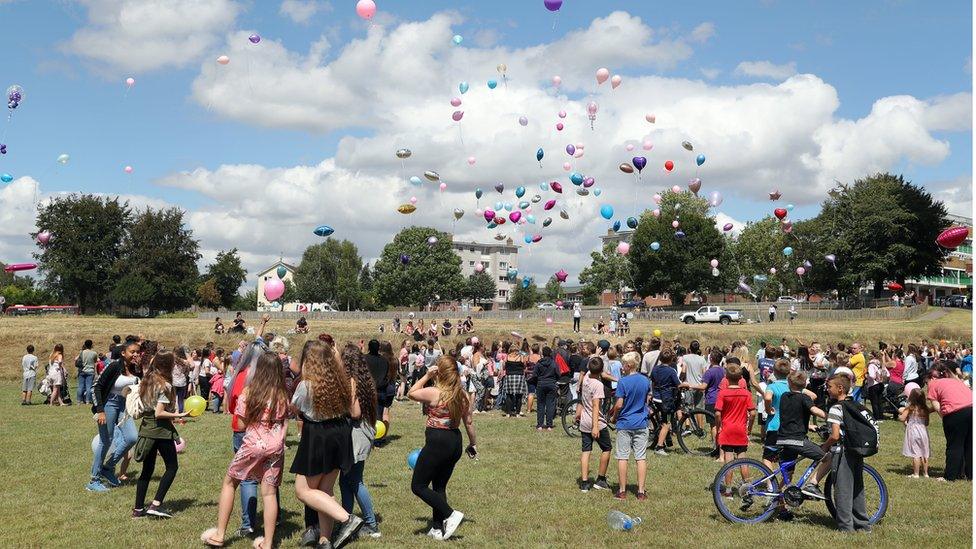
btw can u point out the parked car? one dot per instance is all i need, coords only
(957, 300)
(711, 313)
(632, 304)
(546, 305)
(787, 299)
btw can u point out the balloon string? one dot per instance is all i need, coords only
(460, 135)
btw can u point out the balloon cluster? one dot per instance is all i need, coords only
(15, 94)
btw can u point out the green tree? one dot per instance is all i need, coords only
(757, 249)
(88, 232)
(433, 271)
(554, 290)
(523, 296)
(228, 275)
(246, 302)
(591, 296)
(681, 265)
(329, 271)
(480, 287)
(163, 252)
(291, 293)
(132, 290)
(608, 270)
(207, 294)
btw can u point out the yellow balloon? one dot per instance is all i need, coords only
(407, 208)
(657, 333)
(380, 429)
(196, 405)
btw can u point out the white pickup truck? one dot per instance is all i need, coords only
(711, 313)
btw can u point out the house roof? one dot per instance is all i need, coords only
(291, 268)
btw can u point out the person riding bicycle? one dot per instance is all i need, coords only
(795, 409)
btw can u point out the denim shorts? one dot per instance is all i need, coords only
(632, 441)
(28, 384)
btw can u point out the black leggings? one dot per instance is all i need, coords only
(436, 462)
(514, 403)
(167, 449)
(958, 429)
(546, 405)
(576, 324)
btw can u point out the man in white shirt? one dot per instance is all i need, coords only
(772, 313)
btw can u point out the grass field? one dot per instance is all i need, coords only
(521, 492)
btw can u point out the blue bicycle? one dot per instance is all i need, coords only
(745, 490)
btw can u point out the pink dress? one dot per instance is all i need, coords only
(916, 443)
(261, 457)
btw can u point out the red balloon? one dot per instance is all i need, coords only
(668, 165)
(895, 287)
(952, 237)
(499, 220)
(780, 213)
(14, 267)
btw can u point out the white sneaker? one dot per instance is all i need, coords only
(451, 524)
(436, 534)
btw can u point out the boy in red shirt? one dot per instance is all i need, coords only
(733, 410)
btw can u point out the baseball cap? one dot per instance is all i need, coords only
(603, 344)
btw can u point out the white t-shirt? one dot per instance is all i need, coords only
(772, 309)
(577, 312)
(911, 368)
(649, 361)
(122, 382)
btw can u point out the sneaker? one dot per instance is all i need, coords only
(370, 530)
(310, 537)
(585, 486)
(110, 478)
(811, 490)
(347, 530)
(246, 532)
(138, 513)
(621, 495)
(158, 511)
(660, 452)
(436, 534)
(96, 486)
(451, 524)
(601, 484)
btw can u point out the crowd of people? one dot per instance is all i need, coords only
(341, 394)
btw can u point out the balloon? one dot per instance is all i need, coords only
(687, 146)
(759, 279)
(616, 226)
(629, 147)
(657, 333)
(442, 186)
(527, 238)
(715, 199)
(323, 230)
(570, 149)
(626, 168)
(431, 241)
(281, 271)
(457, 116)
(3, 149)
(632, 222)
(952, 237)
(744, 287)
(787, 251)
(127, 169)
(492, 84)
(559, 126)
(772, 270)
(676, 189)
(523, 121)
(780, 213)
(656, 198)
(407, 209)
(457, 39)
(655, 246)
(130, 81)
(588, 182)
(787, 227)
(679, 235)
(650, 118)
(196, 404)
(536, 199)
(801, 271)
(789, 207)
(366, 9)
(623, 248)
(775, 194)
(479, 268)
(15, 94)
(656, 212)
(380, 429)
(412, 457)
(700, 159)
(43, 237)
(694, 185)
(539, 154)
(592, 108)
(416, 181)
(564, 214)
(668, 165)
(546, 222)
(14, 267)
(639, 162)
(831, 258)
(615, 81)
(404, 259)
(807, 264)
(606, 211)
(553, 5)
(727, 227)
(576, 178)
(561, 275)
(500, 188)
(489, 214)
(501, 68)
(471, 160)
(647, 145)
(511, 273)
(413, 199)
(515, 216)
(223, 60)
(715, 272)
(499, 206)
(556, 81)
(597, 191)
(530, 219)
(432, 176)
(527, 281)
(180, 445)
(550, 204)
(601, 75)
(6, 177)
(403, 153)
(675, 224)
(478, 192)
(556, 186)
(561, 114)
(492, 224)
(583, 192)
(567, 166)
(458, 213)
(463, 87)
(254, 38)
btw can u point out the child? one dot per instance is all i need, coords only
(631, 414)
(848, 466)
(29, 365)
(664, 379)
(363, 435)
(217, 388)
(593, 426)
(775, 389)
(157, 434)
(794, 411)
(734, 408)
(915, 416)
(263, 407)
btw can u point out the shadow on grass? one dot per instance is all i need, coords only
(906, 470)
(429, 523)
(385, 441)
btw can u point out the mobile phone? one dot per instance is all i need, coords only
(471, 451)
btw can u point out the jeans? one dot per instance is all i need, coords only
(181, 398)
(114, 408)
(84, 387)
(249, 491)
(576, 324)
(546, 405)
(352, 486)
(857, 395)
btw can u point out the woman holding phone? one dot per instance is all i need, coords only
(447, 406)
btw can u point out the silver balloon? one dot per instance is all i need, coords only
(458, 213)
(536, 199)
(403, 153)
(583, 192)
(432, 176)
(500, 236)
(564, 214)
(547, 221)
(687, 146)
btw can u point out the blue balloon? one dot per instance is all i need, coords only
(606, 211)
(492, 225)
(655, 246)
(679, 235)
(789, 207)
(6, 178)
(597, 191)
(543, 186)
(508, 206)
(528, 239)
(632, 222)
(416, 181)
(520, 192)
(530, 219)
(412, 457)
(700, 160)
(616, 226)
(478, 192)
(492, 84)
(523, 204)
(457, 39)
(463, 87)
(498, 206)
(787, 251)
(576, 178)
(323, 230)
(539, 154)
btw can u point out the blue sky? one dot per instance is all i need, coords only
(165, 128)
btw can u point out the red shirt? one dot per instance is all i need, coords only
(734, 404)
(235, 392)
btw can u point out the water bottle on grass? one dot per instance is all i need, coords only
(620, 521)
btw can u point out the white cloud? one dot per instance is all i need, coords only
(302, 11)
(143, 35)
(766, 69)
(710, 74)
(721, 219)
(703, 32)
(957, 195)
(486, 38)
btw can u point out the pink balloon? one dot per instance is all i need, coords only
(592, 107)
(479, 211)
(615, 81)
(601, 75)
(579, 153)
(647, 145)
(413, 199)
(675, 224)
(130, 81)
(559, 126)
(548, 320)
(656, 212)
(650, 118)
(630, 146)
(562, 114)
(471, 160)
(457, 116)
(479, 267)
(489, 214)
(127, 169)
(623, 248)
(43, 237)
(713, 263)
(223, 60)
(772, 270)
(657, 199)
(443, 187)
(366, 9)
(580, 146)
(273, 289)
(456, 102)
(567, 166)
(557, 80)
(801, 271)
(181, 442)
(515, 216)
(676, 189)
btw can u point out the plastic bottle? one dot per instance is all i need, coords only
(620, 521)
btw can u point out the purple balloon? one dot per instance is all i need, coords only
(489, 215)
(570, 149)
(254, 38)
(553, 5)
(404, 258)
(588, 182)
(457, 116)
(639, 162)
(727, 227)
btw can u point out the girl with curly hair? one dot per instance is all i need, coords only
(363, 435)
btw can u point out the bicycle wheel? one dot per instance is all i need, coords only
(745, 491)
(696, 438)
(569, 418)
(875, 494)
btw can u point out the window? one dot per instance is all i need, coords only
(472, 249)
(502, 293)
(503, 279)
(470, 263)
(502, 265)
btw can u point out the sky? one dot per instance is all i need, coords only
(300, 129)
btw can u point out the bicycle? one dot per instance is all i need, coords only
(759, 485)
(566, 408)
(694, 437)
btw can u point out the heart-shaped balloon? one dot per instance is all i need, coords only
(650, 118)
(458, 213)
(780, 213)
(694, 185)
(489, 214)
(515, 216)
(639, 162)
(500, 188)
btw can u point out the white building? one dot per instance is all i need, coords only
(496, 260)
(267, 274)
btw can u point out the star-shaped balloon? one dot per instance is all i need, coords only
(775, 194)
(561, 275)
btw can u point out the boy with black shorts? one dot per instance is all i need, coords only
(734, 408)
(795, 409)
(593, 426)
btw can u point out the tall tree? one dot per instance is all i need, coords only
(432, 270)
(228, 275)
(480, 287)
(329, 271)
(246, 302)
(523, 296)
(163, 252)
(207, 294)
(132, 290)
(681, 265)
(87, 242)
(553, 289)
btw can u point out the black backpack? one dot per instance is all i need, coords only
(860, 431)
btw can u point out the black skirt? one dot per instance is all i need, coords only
(325, 447)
